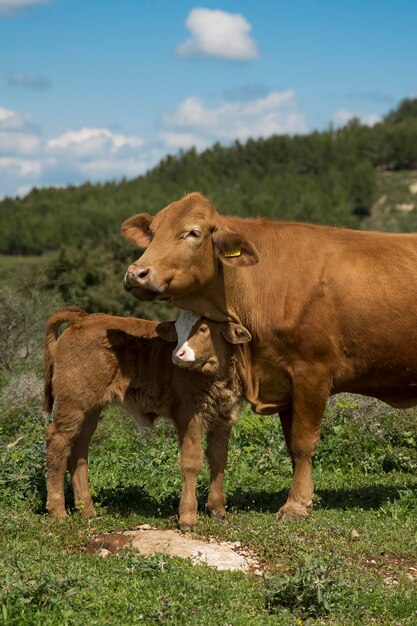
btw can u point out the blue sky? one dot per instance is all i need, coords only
(98, 89)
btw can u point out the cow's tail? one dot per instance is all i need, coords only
(66, 315)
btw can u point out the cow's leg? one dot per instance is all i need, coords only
(60, 436)
(78, 465)
(302, 431)
(286, 423)
(191, 461)
(217, 449)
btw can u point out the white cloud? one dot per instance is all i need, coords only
(18, 136)
(218, 34)
(90, 142)
(182, 140)
(100, 154)
(22, 168)
(12, 120)
(15, 7)
(96, 154)
(194, 121)
(19, 143)
(342, 116)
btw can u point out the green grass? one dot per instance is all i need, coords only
(349, 563)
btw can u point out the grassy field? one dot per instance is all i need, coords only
(354, 561)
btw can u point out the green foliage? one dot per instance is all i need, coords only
(407, 110)
(311, 591)
(357, 435)
(24, 306)
(92, 278)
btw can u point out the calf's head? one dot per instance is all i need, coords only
(203, 345)
(184, 242)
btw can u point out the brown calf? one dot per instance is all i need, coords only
(102, 359)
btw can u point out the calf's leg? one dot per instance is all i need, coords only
(60, 436)
(78, 464)
(302, 431)
(191, 461)
(217, 449)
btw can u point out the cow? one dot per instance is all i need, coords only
(101, 359)
(329, 309)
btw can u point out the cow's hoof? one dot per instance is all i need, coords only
(292, 512)
(219, 516)
(56, 510)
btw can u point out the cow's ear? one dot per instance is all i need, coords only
(138, 229)
(166, 330)
(234, 333)
(234, 249)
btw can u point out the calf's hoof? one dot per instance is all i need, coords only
(187, 522)
(293, 512)
(57, 513)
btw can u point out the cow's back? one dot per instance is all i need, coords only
(342, 300)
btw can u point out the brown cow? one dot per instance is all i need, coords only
(329, 310)
(101, 359)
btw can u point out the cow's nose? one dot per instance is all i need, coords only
(180, 354)
(137, 276)
(142, 272)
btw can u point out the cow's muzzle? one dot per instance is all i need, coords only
(142, 282)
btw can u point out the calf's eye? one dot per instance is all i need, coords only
(203, 329)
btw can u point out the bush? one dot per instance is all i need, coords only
(312, 590)
(24, 309)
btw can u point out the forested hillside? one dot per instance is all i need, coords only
(328, 177)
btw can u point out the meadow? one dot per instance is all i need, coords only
(354, 561)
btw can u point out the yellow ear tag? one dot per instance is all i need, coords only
(236, 252)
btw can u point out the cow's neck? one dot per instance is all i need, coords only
(227, 298)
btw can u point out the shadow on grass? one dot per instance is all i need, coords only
(366, 498)
(135, 499)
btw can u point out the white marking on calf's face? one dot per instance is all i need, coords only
(183, 353)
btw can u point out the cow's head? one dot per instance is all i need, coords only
(202, 345)
(184, 242)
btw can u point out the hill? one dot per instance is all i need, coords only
(356, 176)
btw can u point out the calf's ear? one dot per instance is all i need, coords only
(234, 333)
(234, 249)
(166, 330)
(138, 229)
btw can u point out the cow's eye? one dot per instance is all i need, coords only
(203, 329)
(194, 234)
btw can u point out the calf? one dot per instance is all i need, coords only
(102, 359)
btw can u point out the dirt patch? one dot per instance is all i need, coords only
(224, 555)
(111, 543)
(392, 567)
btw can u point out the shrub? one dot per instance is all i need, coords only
(312, 590)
